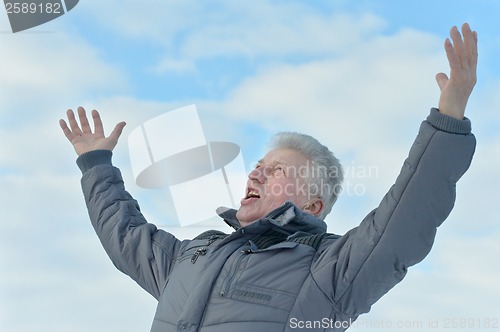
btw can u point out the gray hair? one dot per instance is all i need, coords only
(324, 173)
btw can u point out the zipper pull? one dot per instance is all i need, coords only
(211, 240)
(197, 253)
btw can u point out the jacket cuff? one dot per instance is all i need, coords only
(90, 159)
(449, 124)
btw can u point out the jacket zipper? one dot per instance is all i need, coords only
(203, 250)
(199, 252)
(232, 273)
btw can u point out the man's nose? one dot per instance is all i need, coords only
(257, 175)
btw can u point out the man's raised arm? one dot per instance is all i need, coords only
(373, 257)
(135, 247)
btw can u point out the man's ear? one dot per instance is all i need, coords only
(314, 206)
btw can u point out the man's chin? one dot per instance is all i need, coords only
(246, 217)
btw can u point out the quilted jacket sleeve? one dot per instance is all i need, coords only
(369, 260)
(135, 247)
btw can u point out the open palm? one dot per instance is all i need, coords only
(83, 139)
(462, 56)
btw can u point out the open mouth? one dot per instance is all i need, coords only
(252, 194)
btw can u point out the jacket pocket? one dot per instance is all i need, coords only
(247, 282)
(274, 298)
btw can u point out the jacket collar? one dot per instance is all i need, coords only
(287, 218)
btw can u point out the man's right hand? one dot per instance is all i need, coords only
(83, 139)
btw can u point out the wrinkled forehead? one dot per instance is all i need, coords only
(284, 156)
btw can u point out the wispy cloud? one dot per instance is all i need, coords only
(40, 71)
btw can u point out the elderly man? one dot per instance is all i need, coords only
(279, 270)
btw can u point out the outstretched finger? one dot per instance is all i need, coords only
(72, 123)
(475, 54)
(98, 127)
(453, 59)
(470, 43)
(67, 132)
(84, 122)
(458, 45)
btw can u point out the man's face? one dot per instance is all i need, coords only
(275, 180)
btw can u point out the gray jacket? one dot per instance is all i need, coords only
(283, 272)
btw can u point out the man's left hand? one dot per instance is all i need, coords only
(462, 56)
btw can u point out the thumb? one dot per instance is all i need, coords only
(441, 80)
(115, 134)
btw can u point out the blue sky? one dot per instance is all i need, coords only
(358, 75)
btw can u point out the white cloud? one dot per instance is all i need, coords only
(191, 30)
(157, 21)
(161, 21)
(307, 34)
(363, 92)
(478, 191)
(458, 268)
(48, 70)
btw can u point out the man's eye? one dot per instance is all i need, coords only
(279, 168)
